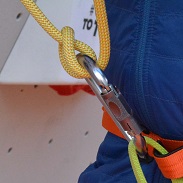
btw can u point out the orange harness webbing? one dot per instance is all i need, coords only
(171, 164)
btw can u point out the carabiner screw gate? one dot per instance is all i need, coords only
(115, 104)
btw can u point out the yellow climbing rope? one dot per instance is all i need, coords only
(68, 44)
(136, 164)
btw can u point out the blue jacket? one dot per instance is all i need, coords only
(146, 64)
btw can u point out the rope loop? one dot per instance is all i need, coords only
(136, 164)
(67, 53)
(68, 44)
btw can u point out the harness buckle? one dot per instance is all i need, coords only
(115, 104)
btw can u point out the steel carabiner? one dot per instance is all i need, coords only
(115, 104)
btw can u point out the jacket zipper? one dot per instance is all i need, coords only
(140, 61)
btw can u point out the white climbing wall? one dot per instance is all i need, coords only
(44, 137)
(12, 18)
(35, 58)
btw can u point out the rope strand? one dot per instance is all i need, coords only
(68, 44)
(136, 164)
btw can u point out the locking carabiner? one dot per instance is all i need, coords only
(115, 104)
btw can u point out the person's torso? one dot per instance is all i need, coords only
(147, 61)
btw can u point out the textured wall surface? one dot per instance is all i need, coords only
(45, 137)
(12, 17)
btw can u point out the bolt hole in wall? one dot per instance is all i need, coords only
(50, 141)
(18, 17)
(86, 133)
(10, 150)
(35, 86)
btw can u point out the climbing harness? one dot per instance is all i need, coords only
(135, 161)
(118, 111)
(86, 65)
(169, 160)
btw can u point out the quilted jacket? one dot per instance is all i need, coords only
(146, 64)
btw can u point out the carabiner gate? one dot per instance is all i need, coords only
(115, 104)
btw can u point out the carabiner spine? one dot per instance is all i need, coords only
(98, 93)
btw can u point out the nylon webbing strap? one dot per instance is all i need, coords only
(171, 164)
